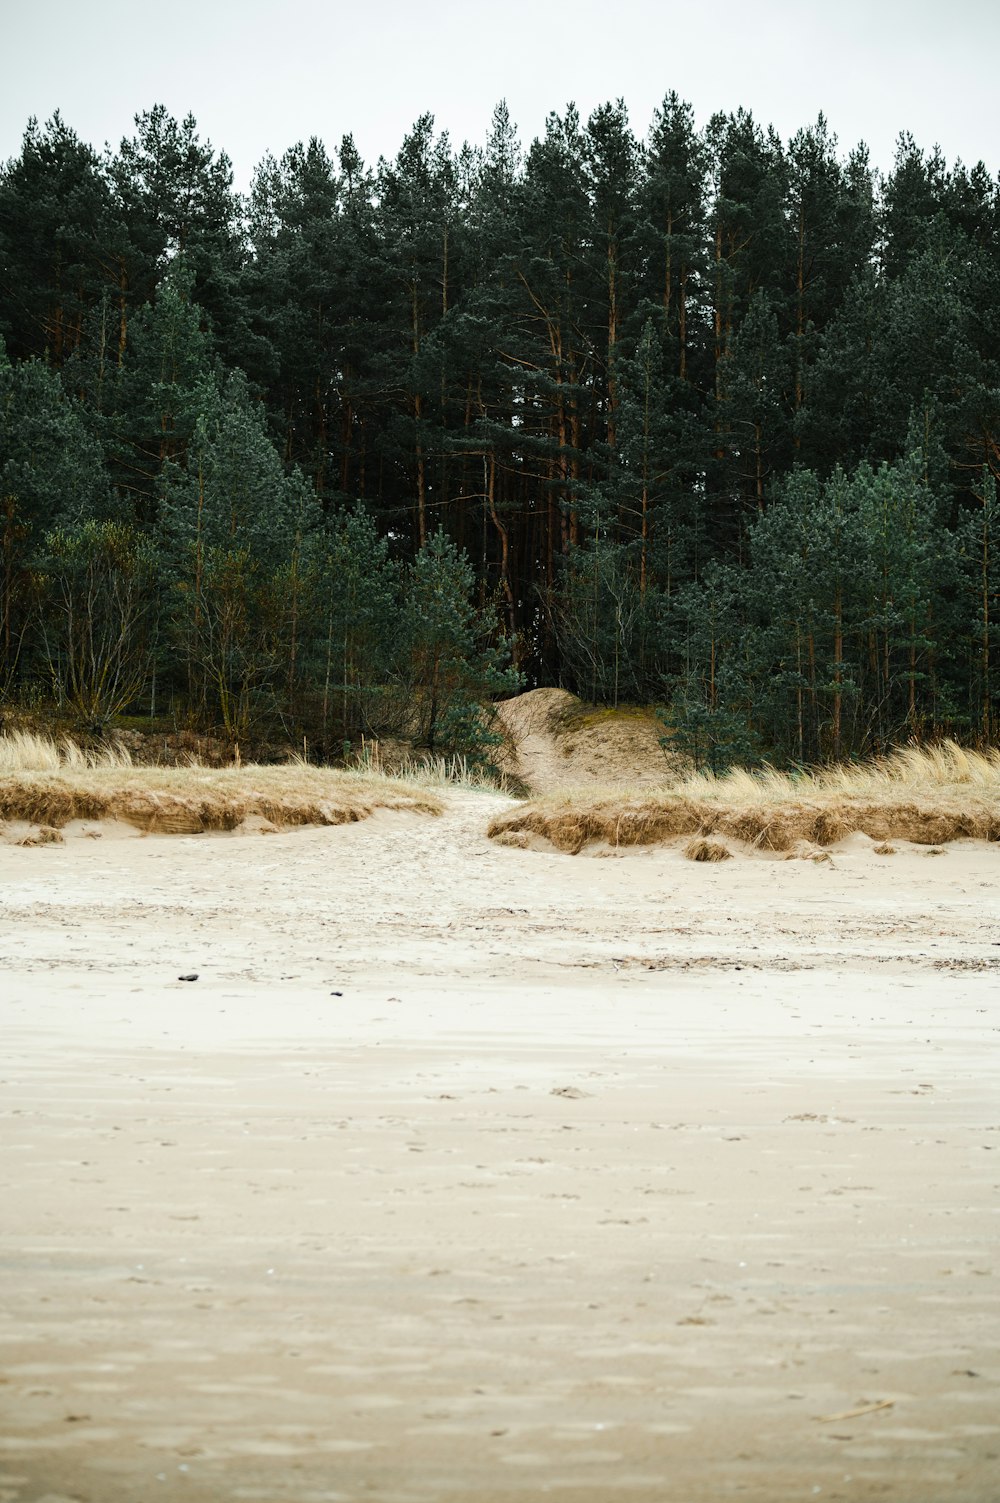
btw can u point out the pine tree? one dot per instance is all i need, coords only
(355, 623)
(51, 476)
(418, 212)
(709, 714)
(978, 549)
(169, 368)
(232, 526)
(832, 238)
(173, 196)
(314, 283)
(611, 164)
(672, 205)
(749, 239)
(757, 402)
(55, 236)
(452, 668)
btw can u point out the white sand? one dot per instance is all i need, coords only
(603, 1180)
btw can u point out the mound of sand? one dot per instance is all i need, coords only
(553, 740)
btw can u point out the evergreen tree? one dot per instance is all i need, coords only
(756, 401)
(421, 240)
(232, 525)
(824, 640)
(162, 388)
(55, 239)
(611, 164)
(452, 668)
(173, 196)
(749, 237)
(51, 476)
(831, 209)
(701, 411)
(672, 204)
(978, 546)
(355, 620)
(710, 708)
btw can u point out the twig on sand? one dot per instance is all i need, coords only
(829, 1419)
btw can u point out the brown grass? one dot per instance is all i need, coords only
(926, 795)
(45, 835)
(701, 849)
(193, 800)
(517, 839)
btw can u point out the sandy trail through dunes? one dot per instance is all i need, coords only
(602, 1179)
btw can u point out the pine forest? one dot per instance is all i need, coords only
(707, 421)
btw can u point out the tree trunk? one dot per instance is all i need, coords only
(813, 695)
(489, 479)
(347, 425)
(838, 672)
(800, 725)
(986, 715)
(612, 425)
(799, 311)
(122, 310)
(418, 412)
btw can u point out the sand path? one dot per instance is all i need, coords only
(602, 1179)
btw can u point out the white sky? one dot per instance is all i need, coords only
(259, 76)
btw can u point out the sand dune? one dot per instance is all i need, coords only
(465, 1172)
(552, 741)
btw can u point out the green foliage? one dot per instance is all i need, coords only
(55, 225)
(224, 622)
(452, 668)
(98, 617)
(355, 615)
(233, 526)
(707, 416)
(978, 549)
(167, 373)
(51, 474)
(823, 645)
(715, 736)
(710, 709)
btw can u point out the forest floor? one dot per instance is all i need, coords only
(464, 1172)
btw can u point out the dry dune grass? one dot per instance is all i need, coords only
(44, 835)
(434, 771)
(48, 785)
(929, 795)
(24, 751)
(703, 849)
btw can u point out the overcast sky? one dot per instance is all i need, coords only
(259, 76)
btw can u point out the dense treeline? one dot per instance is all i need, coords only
(708, 420)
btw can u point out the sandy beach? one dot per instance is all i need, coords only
(472, 1173)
